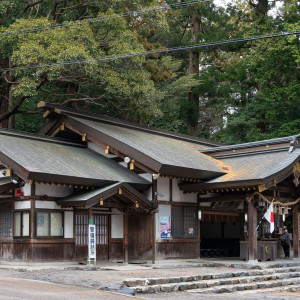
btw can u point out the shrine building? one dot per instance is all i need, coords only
(151, 194)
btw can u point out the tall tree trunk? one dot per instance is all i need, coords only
(193, 110)
(12, 119)
(4, 91)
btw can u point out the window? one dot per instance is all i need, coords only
(82, 226)
(49, 224)
(21, 224)
(184, 222)
(5, 220)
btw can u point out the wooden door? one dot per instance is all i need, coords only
(81, 235)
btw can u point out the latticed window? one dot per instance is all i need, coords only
(184, 222)
(5, 220)
(81, 227)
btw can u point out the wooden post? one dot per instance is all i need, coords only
(170, 190)
(125, 238)
(90, 222)
(242, 226)
(153, 238)
(252, 224)
(90, 214)
(32, 212)
(296, 230)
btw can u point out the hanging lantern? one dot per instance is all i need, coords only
(137, 205)
(101, 201)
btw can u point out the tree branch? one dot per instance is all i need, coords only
(8, 81)
(31, 5)
(13, 110)
(84, 99)
(31, 112)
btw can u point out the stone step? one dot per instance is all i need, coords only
(208, 284)
(134, 282)
(289, 288)
(261, 286)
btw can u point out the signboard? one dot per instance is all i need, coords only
(92, 242)
(165, 227)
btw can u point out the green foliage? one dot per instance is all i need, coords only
(247, 91)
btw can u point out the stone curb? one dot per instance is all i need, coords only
(247, 287)
(223, 285)
(138, 282)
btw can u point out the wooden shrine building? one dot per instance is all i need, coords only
(151, 194)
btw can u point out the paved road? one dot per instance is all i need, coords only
(19, 288)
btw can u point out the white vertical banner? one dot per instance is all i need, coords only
(92, 242)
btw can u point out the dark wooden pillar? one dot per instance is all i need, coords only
(125, 237)
(32, 212)
(242, 226)
(90, 214)
(252, 224)
(153, 218)
(296, 230)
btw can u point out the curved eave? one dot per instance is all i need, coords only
(266, 182)
(189, 173)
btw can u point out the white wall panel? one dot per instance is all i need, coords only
(179, 196)
(22, 204)
(163, 185)
(68, 225)
(52, 190)
(116, 225)
(46, 204)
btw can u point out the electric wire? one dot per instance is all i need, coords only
(123, 56)
(106, 18)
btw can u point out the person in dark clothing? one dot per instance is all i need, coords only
(286, 243)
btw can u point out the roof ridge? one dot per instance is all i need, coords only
(252, 144)
(115, 121)
(39, 137)
(248, 153)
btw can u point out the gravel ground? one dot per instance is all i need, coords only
(107, 279)
(100, 279)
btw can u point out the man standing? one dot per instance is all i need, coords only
(286, 243)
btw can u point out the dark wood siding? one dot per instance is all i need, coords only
(140, 237)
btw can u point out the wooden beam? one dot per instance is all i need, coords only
(223, 198)
(284, 189)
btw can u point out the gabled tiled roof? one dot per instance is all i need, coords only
(91, 198)
(162, 151)
(54, 160)
(252, 163)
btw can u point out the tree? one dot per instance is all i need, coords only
(127, 88)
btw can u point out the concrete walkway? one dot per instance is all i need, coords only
(161, 264)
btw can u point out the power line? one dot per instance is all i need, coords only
(115, 57)
(105, 18)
